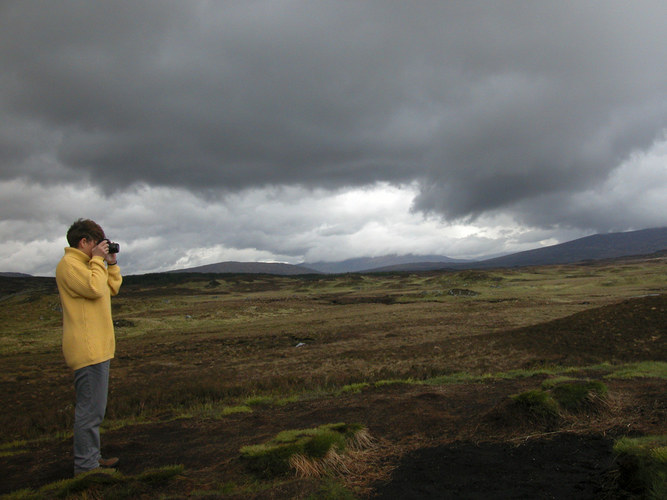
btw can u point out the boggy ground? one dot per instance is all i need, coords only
(431, 442)
(447, 438)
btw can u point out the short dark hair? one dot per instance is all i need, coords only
(84, 228)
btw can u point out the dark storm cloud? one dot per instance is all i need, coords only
(485, 104)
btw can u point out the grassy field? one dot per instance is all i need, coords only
(208, 365)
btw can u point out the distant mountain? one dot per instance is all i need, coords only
(249, 268)
(596, 247)
(366, 263)
(15, 275)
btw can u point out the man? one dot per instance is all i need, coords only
(87, 276)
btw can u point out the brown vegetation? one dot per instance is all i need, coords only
(209, 364)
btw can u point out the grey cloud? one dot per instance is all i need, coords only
(487, 105)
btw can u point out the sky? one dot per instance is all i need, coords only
(301, 131)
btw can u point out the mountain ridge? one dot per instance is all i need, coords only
(588, 248)
(249, 268)
(365, 263)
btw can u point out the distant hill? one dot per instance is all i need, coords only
(249, 268)
(386, 261)
(15, 275)
(596, 247)
(25, 283)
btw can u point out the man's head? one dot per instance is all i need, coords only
(84, 229)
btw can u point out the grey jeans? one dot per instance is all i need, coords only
(92, 385)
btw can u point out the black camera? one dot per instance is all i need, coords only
(113, 247)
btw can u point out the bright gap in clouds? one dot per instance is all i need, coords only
(162, 229)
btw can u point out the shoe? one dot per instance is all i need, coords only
(108, 462)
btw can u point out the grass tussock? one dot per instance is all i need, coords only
(643, 465)
(537, 404)
(102, 483)
(580, 395)
(556, 399)
(331, 464)
(307, 452)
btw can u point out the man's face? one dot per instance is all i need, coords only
(86, 246)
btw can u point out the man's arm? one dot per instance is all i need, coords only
(89, 281)
(115, 278)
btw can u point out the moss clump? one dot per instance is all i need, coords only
(273, 457)
(643, 465)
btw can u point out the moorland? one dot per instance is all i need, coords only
(534, 382)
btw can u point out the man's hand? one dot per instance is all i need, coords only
(101, 250)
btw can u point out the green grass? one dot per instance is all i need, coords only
(259, 400)
(644, 464)
(567, 396)
(13, 448)
(330, 489)
(221, 408)
(578, 395)
(354, 388)
(645, 369)
(550, 383)
(538, 404)
(214, 411)
(160, 475)
(102, 484)
(272, 458)
(235, 352)
(388, 382)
